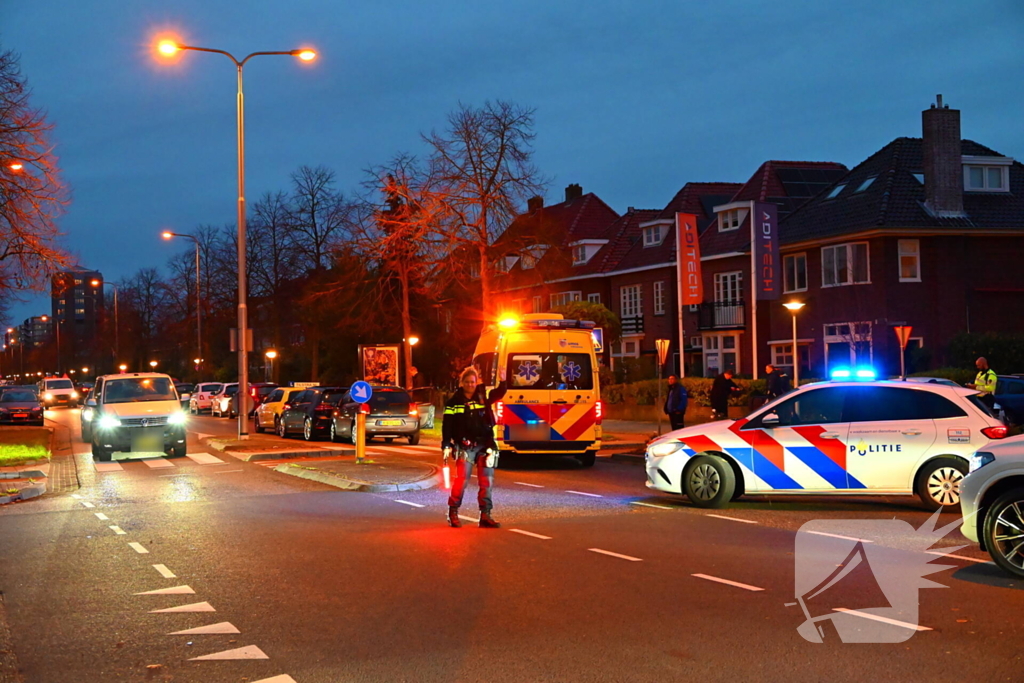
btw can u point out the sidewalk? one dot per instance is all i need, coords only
(379, 473)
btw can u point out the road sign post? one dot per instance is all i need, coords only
(361, 393)
(662, 345)
(903, 336)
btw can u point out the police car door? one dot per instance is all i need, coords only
(799, 444)
(891, 430)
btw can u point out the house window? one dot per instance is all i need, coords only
(835, 191)
(594, 298)
(659, 298)
(631, 306)
(729, 287)
(910, 260)
(563, 298)
(795, 273)
(697, 342)
(728, 220)
(844, 264)
(653, 234)
(782, 355)
(985, 178)
(866, 184)
(629, 348)
(520, 305)
(847, 345)
(537, 308)
(579, 254)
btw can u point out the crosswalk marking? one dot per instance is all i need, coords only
(248, 652)
(221, 628)
(204, 459)
(117, 530)
(158, 463)
(137, 547)
(107, 466)
(164, 571)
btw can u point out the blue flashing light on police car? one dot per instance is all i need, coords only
(862, 374)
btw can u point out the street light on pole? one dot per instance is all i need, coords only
(199, 325)
(117, 335)
(170, 48)
(794, 308)
(270, 356)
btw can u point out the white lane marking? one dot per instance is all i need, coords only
(650, 505)
(108, 467)
(247, 652)
(531, 534)
(76, 496)
(732, 519)
(194, 607)
(610, 553)
(176, 474)
(469, 519)
(226, 471)
(845, 538)
(158, 463)
(102, 517)
(87, 504)
(164, 571)
(886, 620)
(202, 436)
(137, 547)
(581, 493)
(959, 557)
(117, 530)
(176, 590)
(533, 486)
(283, 678)
(727, 582)
(405, 502)
(204, 459)
(221, 628)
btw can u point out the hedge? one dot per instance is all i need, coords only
(645, 393)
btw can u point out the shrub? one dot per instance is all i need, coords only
(1004, 352)
(645, 393)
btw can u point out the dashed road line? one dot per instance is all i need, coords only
(470, 519)
(108, 466)
(102, 517)
(117, 530)
(164, 571)
(176, 590)
(137, 547)
(533, 486)
(405, 502)
(87, 504)
(226, 471)
(731, 519)
(247, 652)
(591, 495)
(194, 607)
(530, 534)
(845, 538)
(650, 505)
(737, 584)
(204, 459)
(222, 628)
(283, 678)
(158, 463)
(959, 557)
(885, 620)
(76, 496)
(611, 554)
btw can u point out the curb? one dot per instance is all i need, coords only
(340, 482)
(24, 474)
(27, 493)
(285, 455)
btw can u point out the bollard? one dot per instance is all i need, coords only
(361, 432)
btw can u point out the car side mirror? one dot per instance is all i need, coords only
(770, 420)
(91, 402)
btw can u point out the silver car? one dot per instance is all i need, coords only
(992, 502)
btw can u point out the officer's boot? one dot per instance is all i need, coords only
(453, 517)
(486, 521)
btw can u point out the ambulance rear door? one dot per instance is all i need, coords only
(571, 372)
(528, 397)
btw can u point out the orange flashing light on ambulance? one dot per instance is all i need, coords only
(552, 405)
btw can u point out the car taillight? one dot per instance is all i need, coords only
(286, 406)
(599, 411)
(499, 412)
(325, 407)
(414, 410)
(999, 432)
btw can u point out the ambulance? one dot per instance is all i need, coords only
(553, 402)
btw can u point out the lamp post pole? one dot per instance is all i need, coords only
(794, 308)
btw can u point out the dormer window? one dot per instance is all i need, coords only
(584, 250)
(579, 254)
(531, 255)
(729, 220)
(653, 235)
(987, 174)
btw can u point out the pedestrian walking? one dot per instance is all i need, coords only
(467, 436)
(722, 390)
(777, 382)
(675, 402)
(985, 382)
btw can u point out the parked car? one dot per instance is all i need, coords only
(992, 502)
(425, 406)
(20, 406)
(58, 391)
(258, 392)
(1009, 397)
(84, 389)
(134, 412)
(268, 413)
(202, 397)
(184, 390)
(392, 414)
(310, 412)
(219, 401)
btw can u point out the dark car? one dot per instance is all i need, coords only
(1010, 397)
(18, 405)
(393, 414)
(258, 392)
(310, 411)
(84, 389)
(184, 390)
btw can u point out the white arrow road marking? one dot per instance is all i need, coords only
(137, 547)
(108, 467)
(530, 533)
(164, 571)
(222, 627)
(247, 652)
(733, 519)
(194, 607)
(102, 517)
(158, 463)
(87, 504)
(117, 530)
(177, 590)
(875, 617)
(204, 459)
(610, 553)
(727, 582)
(283, 678)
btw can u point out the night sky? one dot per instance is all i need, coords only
(633, 99)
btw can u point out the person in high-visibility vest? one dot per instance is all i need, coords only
(985, 382)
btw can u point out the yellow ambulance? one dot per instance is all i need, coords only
(553, 403)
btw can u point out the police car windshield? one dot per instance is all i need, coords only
(557, 371)
(138, 389)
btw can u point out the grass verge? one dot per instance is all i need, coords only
(11, 455)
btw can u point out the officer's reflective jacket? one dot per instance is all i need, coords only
(470, 419)
(985, 382)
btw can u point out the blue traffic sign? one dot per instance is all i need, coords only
(361, 392)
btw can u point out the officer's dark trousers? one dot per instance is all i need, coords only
(462, 468)
(675, 418)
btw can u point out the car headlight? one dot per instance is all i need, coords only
(979, 460)
(74, 394)
(667, 448)
(48, 396)
(177, 418)
(87, 415)
(109, 422)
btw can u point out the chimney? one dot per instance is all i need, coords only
(572, 192)
(534, 203)
(943, 167)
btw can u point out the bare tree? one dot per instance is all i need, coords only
(144, 304)
(484, 167)
(318, 214)
(275, 259)
(32, 194)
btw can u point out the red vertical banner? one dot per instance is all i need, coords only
(691, 286)
(767, 266)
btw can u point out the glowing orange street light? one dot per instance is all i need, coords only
(305, 55)
(16, 166)
(168, 48)
(167, 234)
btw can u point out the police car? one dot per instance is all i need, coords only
(854, 436)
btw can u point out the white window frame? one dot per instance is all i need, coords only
(729, 282)
(903, 249)
(654, 235)
(787, 287)
(1004, 176)
(697, 342)
(562, 298)
(729, 220)
(631, 301)
(579, 254)
(594, 298)
(849, 247)
(780, 353)
(659, 297)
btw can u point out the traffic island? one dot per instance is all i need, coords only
(258, 448)
(24, 462)
(380, 474)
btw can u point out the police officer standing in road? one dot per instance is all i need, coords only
(776, 382)
(985, 382)
(467, 435)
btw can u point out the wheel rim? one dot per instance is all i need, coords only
(1008, 534)
(279, 427)
(705, 482)
(334, 432)
(307, 429)
(944, 486)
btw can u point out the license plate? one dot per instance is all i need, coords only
(20, 415)
(389, 423)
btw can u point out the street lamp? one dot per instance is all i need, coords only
(117, 337)
(269, 373)
(153, 365)
(199, 325)
(122, 367)
(794, 308)
(170, 48)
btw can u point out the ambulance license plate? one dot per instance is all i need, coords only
(389, 423)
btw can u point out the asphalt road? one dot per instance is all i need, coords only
(591, 578)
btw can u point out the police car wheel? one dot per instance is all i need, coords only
(938, 483)
(1004, 539)
(708, 481)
